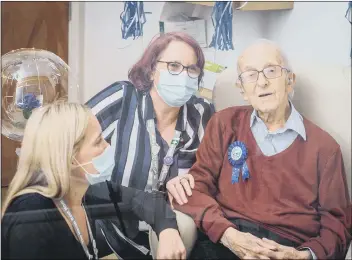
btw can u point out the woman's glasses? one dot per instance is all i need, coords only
(175, 68)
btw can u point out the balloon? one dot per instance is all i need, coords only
(30, 79)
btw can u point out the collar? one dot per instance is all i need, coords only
(294, 122)
(148, 112)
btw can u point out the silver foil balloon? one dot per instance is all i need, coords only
(30, 79)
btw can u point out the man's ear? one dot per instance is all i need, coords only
(291, 81)
(243, 93)
(291, 78)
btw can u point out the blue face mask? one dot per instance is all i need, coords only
(104, 164)
(176, 90)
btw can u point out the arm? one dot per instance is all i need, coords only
(180, 187)
(149, 207)
(106, 106)
(202, 206)
(335, 211)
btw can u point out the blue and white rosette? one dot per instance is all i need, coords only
(237, 155)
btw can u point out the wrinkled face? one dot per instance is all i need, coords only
(179, 53)
(270, 92)
(93, 145)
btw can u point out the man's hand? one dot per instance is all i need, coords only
(178, 187)
(247, 246)
(170, 245)
(286, 252)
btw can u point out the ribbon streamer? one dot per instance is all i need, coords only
(348, 16)
(235, 175)
(222, 21)
(132, 20)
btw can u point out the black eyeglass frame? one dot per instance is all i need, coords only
(183, 68)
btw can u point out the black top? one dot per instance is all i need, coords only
(33, 227)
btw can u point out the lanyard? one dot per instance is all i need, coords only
(78, 232)
(153, 182)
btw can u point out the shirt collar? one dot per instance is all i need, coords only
(146, 104)
(294, 122)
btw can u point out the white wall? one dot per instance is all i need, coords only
(315, 35)
(103, 59)
(317, 39)
(104, 56)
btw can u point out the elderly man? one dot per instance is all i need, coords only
(268, 182)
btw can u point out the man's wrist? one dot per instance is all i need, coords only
(230, 231)
(305, 254)
(224, 237)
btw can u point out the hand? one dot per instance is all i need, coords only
(177, 186)
(286, 252)
(247, 246)
(170, 245)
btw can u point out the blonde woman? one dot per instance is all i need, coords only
(43, 216)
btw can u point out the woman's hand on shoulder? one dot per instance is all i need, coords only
(170, 245)
(179, 188)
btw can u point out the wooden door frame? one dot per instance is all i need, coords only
(76, 39)
(72, 30)
(0, 96)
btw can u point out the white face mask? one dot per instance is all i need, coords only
(176, 90)
(103, 163)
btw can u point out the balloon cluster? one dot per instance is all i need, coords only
(30, 79)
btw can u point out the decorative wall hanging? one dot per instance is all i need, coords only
(222, 22)
(132, 20)
(348, 16)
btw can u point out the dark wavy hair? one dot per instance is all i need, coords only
(140, 73)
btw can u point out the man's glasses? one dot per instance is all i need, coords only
(271, 72)
(175, 68)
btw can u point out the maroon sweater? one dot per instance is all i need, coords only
(300, 193)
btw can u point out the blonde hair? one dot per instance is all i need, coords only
(51, 138)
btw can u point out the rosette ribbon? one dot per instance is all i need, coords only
(237, 155)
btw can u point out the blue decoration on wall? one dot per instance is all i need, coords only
(348, 16)
(222, 22)
(133, 19)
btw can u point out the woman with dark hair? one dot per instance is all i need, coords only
(156, 123)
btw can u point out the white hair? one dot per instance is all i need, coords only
(285, 60)
(275, 45)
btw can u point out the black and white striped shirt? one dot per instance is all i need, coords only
(123, 111)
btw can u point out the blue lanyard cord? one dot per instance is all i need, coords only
(222, 21)
(132, 20)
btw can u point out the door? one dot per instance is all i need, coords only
(42, 25)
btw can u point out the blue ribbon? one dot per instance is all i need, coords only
(132, 19)
(237, 155)
(222, 21)
(348, 16)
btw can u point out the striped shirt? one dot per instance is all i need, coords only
(123, 111)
